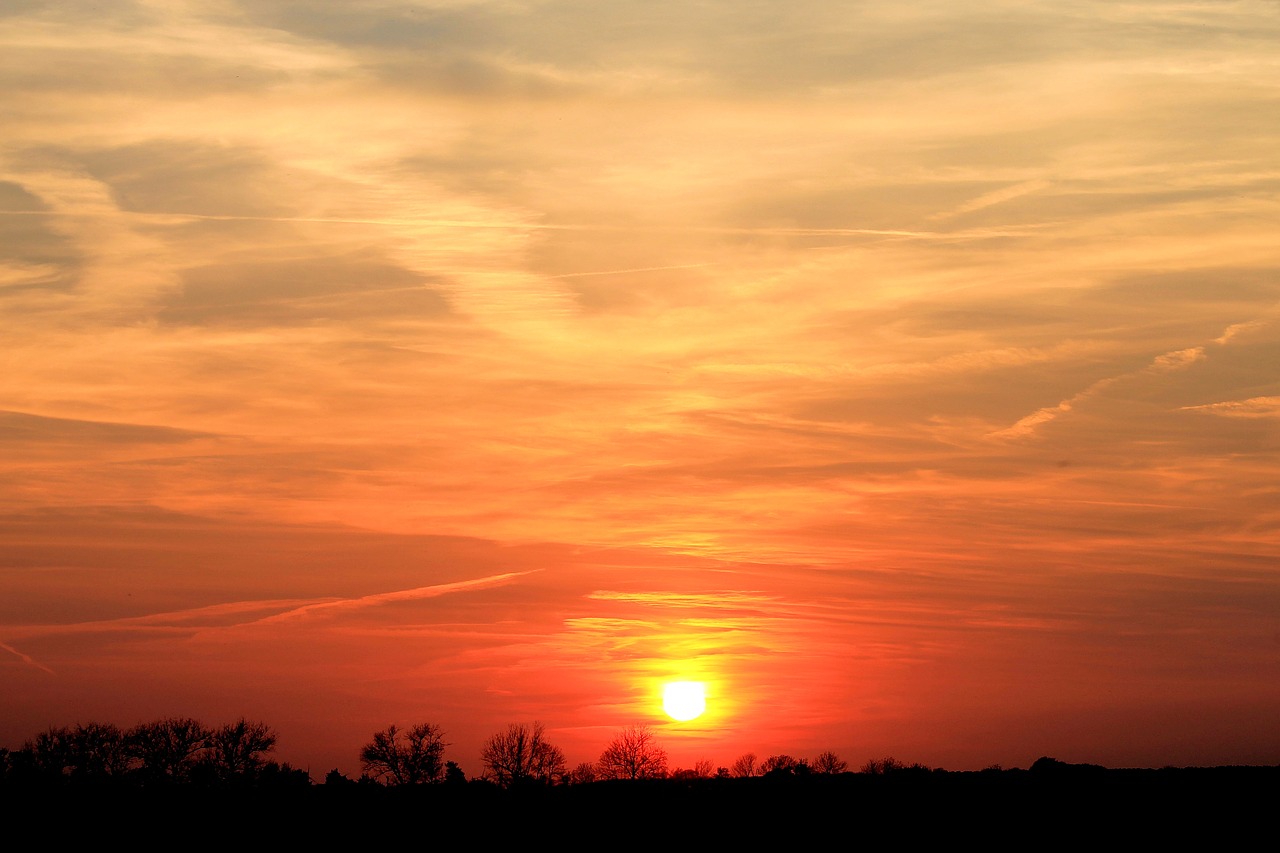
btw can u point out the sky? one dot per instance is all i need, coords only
(907, 373)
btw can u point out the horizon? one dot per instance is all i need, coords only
(905, 375)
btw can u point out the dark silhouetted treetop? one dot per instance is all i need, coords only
(745, 766)
(886, 766)
(337, 778)
(415, 757)
(167, 751)
(583, 774)
(237, 751)
(91, 751)
(522, 754)
(783, 765)
(828, 763)
(702, 769)
(1046, 765)
(633, 754)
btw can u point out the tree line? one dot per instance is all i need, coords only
(182, 751)
(167, 752)
(521, 754)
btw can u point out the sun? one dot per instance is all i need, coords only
(684, 700)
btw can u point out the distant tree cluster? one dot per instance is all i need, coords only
(522, 755)
(181, 751)
(167, 752)
(825, 764)
(890, 765)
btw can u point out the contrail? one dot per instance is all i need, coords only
(634, 269)
(200, 620)
(27, 659)
(1016, 231)
(399, 595)
(993, 198)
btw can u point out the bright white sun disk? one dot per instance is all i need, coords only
(684, 700)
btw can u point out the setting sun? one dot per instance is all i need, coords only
(684, 700)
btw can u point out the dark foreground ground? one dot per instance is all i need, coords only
(1228, 807)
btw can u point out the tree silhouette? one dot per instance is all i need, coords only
(414, 757)
(829, 764)
(337, 778)
(702, 769)
(91, 751)
(888, 765)
(166, 750)
(98, 751)
(633, 754)
(583, 774)
(49, 754)
(522, 754)
(783, 765)
(745, 766)
(237, 750)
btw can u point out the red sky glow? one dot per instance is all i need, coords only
(910, 375)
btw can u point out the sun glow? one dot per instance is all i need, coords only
(684, 700)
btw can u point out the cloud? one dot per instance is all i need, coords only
(1237, 329)
(184, 176)
(1165, 363)
(24, 428)
(1254, 407)
(35, 256)
(270, 291)
(995, 197)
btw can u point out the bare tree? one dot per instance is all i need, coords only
(633, 754)
(237, 750)
(522, 754)
(167, 750)
(97, 751)
(583, 774)
(829, 764)
(745, 766)
(86, 751)
(883, 766)
(414, 757)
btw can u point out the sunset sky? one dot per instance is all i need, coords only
(909, 373)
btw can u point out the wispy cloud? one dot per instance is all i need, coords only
(995, 197)
(1164, 363)
(1254, 407)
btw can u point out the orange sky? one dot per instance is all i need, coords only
(911, 375)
